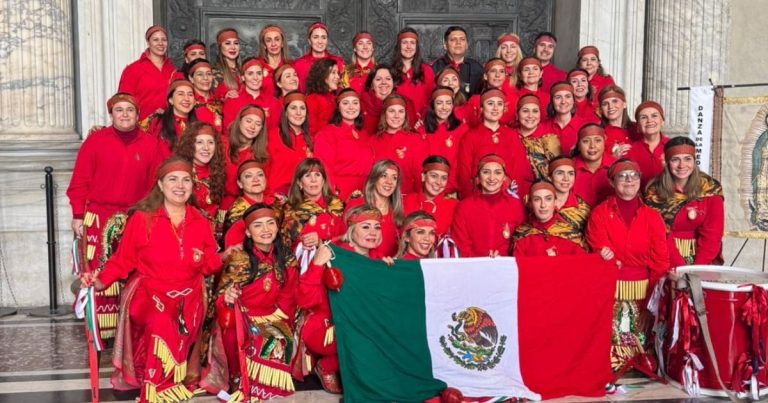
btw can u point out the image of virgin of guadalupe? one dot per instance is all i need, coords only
(758, 174)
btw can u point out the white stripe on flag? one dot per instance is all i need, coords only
(472, 329)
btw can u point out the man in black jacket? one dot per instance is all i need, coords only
(470, 71)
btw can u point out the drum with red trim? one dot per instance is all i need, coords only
(732, 309)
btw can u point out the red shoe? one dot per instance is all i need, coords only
(329, 380)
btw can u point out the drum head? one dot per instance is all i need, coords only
(726, 278)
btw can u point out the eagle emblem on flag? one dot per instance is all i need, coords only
(473, 341)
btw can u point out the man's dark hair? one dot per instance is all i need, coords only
(454, 28)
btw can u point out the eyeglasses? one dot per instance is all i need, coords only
(628, 176)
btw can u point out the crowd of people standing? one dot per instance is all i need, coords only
(235, 173)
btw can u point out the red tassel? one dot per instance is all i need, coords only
(333, 278)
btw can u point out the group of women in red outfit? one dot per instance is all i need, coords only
(255, 164)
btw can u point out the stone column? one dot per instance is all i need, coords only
(686, 46)
(617, 29)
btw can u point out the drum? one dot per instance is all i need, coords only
(687, 364)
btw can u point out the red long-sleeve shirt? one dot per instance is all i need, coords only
(320, 108)
(418, 92)
(503, 142)
(372, 107)
(484, 223)
(408, 150)
(568, 134)
(268, 83)
(388, 245)
(599, 81)
(651, 162)
(202, 192)
(272, 107)
(284, 159)
(641, 247)
(550, 75)
(113, 168)
(587, 110)
(545, 244)
(152, 246)
(441, 208)
(445, 143)
(303, 64)
(347, 156)
(595, 187)
(147, 83)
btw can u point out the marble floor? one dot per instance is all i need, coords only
(44, 361)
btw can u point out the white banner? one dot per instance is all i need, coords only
(701, 116)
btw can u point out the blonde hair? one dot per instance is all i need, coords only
(513, 76)
(402, 247)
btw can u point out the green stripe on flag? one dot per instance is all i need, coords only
(381, 336)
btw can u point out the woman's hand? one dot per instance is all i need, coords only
(606, 253)
(231, 294)
(388, 260)
(77, 227)
(310, 240)
(493, 253)
(90, 279)
(322, 255)
(620, 150)
(228, 252)
(232, 94)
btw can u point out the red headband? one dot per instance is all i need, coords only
(492, 93)
(542, 185)
(577, 73)
(111, 102)
(364, 215)
(252, 110)
(206, 129)
(545, 38)
(528, 99)
(588, 50)
(553, 165)
(273, 28)
(440, 92)
(197, 66)
(225, 36)
(421, 222)
(407, 35)
(526, 61)
(508, 38)
(315, 26)
(248, 64)
(280, 70)
(625, 165)
(648, 104)
(361, 35)
(168, 167)
(248, 164)
(293, 96)
(679, 149)
(179, 83)
(560, 87)
(194, 46)
(591, 130)
(436, 166)
(446, 71)
(259, 213)
(391, 101)
(488, 159)
(610, 93)
(151, 31)
(493, 62)
(346, 94)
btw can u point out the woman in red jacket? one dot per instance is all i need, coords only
(483, 222)
(562, 174)
(207, 108)
(382, 190)
(201, 144)
(591, 164)
(449, 77)
(433, 197)
(618, 126)
(494, 76)
(289, 143)
(691, 204)
(585, 99)
(344, 147)
(443, 131)
(147, 79)
(252, 93)
(311, 213)
(356, 73)
(322, 84)
(273, 53)
(317, 35)
(588, 59)
(540, 145)
(168, 126)
(529, 80)
(413, 78)
(626, 231)
(286, 80)
(491, 137)
(378, 86)
(418, 237)
(252, 181)
(227, 66)
(561, 116)
(648, 151)
(396, 141)
(262, 278)
(247, 141)
(546, 232)
(363, 236)
(508, 49)
(168, 247)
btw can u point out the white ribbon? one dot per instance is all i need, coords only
(658, 293)
(447, 247)
(304, 256)
(80, 301)
(692, 366)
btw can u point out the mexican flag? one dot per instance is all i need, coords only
(494, 328)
